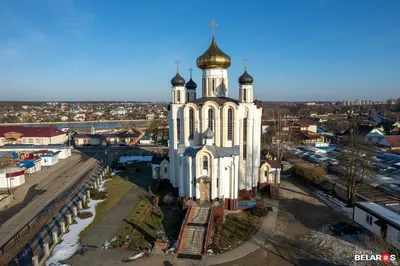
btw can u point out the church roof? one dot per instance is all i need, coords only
(219, 100)
(216, 151)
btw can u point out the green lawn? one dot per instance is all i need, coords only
(238, 227)
(141, 226)
(116, 188)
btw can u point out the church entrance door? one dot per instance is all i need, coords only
(204, 191)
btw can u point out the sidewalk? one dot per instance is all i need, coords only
(266, 228)
(111, 223)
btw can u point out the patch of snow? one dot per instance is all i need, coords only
(115, 172)
(101, 187)
(339, 249)
(70, 243)
(334, 203)
(125, 159)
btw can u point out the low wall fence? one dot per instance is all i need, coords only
(180, 237)
(50, 224)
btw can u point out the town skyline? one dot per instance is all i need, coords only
(309, 51)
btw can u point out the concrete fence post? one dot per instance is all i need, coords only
(69, 218)
(35, 260)
(75, 210)
(88, 193)
(63, 228)
(95, 184)
(84, 199)
(46, 249)
(80, 206)
(55, 237)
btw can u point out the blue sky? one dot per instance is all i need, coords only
(125, 50)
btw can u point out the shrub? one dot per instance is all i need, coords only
(86, 205)
(258, 211)
(85, 215)
(120, 167)
(100, 195)
(315, 174)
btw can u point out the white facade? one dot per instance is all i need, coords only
(16, 179)
(160, 170)
(49, 159)
(375, 135)
(378, 219)
(214, 140)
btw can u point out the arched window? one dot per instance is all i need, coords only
(187, 96)
(230, 121)
(211, 119)
(244, 138)
(178, 96)
(191, 123)
(178, 129)
(205, 164)
(213, 85)
(244, 95)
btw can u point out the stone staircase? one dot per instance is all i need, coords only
(195, 232)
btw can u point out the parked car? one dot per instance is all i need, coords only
(344, 228)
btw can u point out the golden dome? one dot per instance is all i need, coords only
(213, 58)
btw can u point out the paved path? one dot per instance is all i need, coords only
(266, 229)
(111, 223)
(53, 182)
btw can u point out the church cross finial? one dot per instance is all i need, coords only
(245, 63)
(213, 25)
(177, 62)
(191, 71)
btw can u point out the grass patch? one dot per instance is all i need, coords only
(238, 228)
(140, 229)
(116, 188)
(85, 215)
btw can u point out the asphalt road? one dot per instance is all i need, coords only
(53, 181)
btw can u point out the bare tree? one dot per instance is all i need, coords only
(282, 132)
(355, 160)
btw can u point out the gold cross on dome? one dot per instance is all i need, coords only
(177, 62)
(245, 63)
(213, 25)
(191, 71)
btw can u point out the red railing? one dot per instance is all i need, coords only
(209, 230)
(178, 248)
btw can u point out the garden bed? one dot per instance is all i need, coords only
(237, 229)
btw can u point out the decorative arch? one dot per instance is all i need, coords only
(265, 172)
(204, 119)
(229, 122)
(164, 169)
(191, 122)
(200, 164)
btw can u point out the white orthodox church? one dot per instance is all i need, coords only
(214, 139)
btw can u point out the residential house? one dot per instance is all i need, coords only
(304, 125)
(88, 139)
(390, 142)
(80, 116)
(379, 220)
(119, 111)
(146, 140)
(150, 116)
(375, 135)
